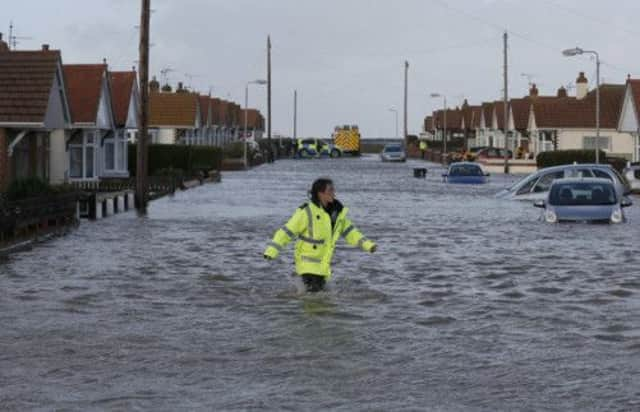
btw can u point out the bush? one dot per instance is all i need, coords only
(563, 157)
(27, 187)
(189, 159)
(33, 187)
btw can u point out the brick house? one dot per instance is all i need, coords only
(34, 113)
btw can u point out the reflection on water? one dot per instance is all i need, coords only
(470, 303)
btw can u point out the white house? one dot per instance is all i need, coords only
(126, 103)
(629, 121)
(33, 115)
(93, 123)
(564, 123)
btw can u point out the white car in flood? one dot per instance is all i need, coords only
(536, 185)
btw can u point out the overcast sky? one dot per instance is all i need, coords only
(345, 57)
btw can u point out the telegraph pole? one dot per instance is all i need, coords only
(406, 75)
(269, 98)
(143, 150)
(506, 109)
(295, 115)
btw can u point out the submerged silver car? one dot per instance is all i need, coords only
(536, 185)
(393, 153)
(592, 200)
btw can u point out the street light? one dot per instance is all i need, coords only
(392, 109)
(576, 52)
(444, 136)
(246, 108)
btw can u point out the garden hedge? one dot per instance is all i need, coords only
(189, 159)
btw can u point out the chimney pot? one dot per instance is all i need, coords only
(45, 47)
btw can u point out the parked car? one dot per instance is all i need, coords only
(393, 153)
(536, 185)
(593, 200)
(491, 153)
(329, 149)
(307, 148)
(632, 174)
(465, 172)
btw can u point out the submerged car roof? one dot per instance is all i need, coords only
(464, 163)
(582, 180)
(576, 165)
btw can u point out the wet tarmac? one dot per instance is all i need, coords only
(470, 303)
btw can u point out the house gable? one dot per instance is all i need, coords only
(58, 115)
(104, 119)
(132, 113)
(629, 115)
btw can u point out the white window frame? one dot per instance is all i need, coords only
(85, 147)
(606, 147)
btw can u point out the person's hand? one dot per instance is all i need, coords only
(374, 248)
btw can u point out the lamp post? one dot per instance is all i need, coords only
(392, 109)
(578, 51)
(444, 127)
(246, 108)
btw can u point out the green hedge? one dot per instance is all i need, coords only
(189, 159)
(563, 157)
(33, 187)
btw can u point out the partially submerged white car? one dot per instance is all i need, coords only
(536, 185)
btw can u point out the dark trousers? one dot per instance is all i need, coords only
(313, 283)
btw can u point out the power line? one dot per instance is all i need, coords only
(517, 34)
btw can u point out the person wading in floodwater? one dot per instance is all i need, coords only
(317, 226)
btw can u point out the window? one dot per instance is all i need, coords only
(123, 153)
(526, 188)
(75, 162)
(545, 181)
(82, 155)
(589, 142)
(602, 174)
(581, 173)
(109, 154)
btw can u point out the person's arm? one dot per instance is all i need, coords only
(355, 238)
(286, 234)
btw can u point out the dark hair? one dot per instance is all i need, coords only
(319, 186)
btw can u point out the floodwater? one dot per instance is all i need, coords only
(470, 303)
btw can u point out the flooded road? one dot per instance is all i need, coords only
(470, 303)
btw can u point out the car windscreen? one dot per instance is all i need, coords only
(393, 149)
(308, 141)
(582, 194)
(465, 170)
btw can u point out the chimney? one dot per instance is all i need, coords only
(181, 88)
(533, 90)
(166, 88)
(45, 47)
(562, 92)
(582, 86)
(4, 47)
(154, 85)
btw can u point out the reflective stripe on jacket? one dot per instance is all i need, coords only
(310, 225)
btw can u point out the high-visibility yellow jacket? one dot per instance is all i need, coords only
(316, 240)
(423, 145)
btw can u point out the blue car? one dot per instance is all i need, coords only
(593, 200)
(465, 173)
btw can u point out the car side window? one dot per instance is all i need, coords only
(545, 181)
(602, 174)
(581, 173)
(526, 188)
